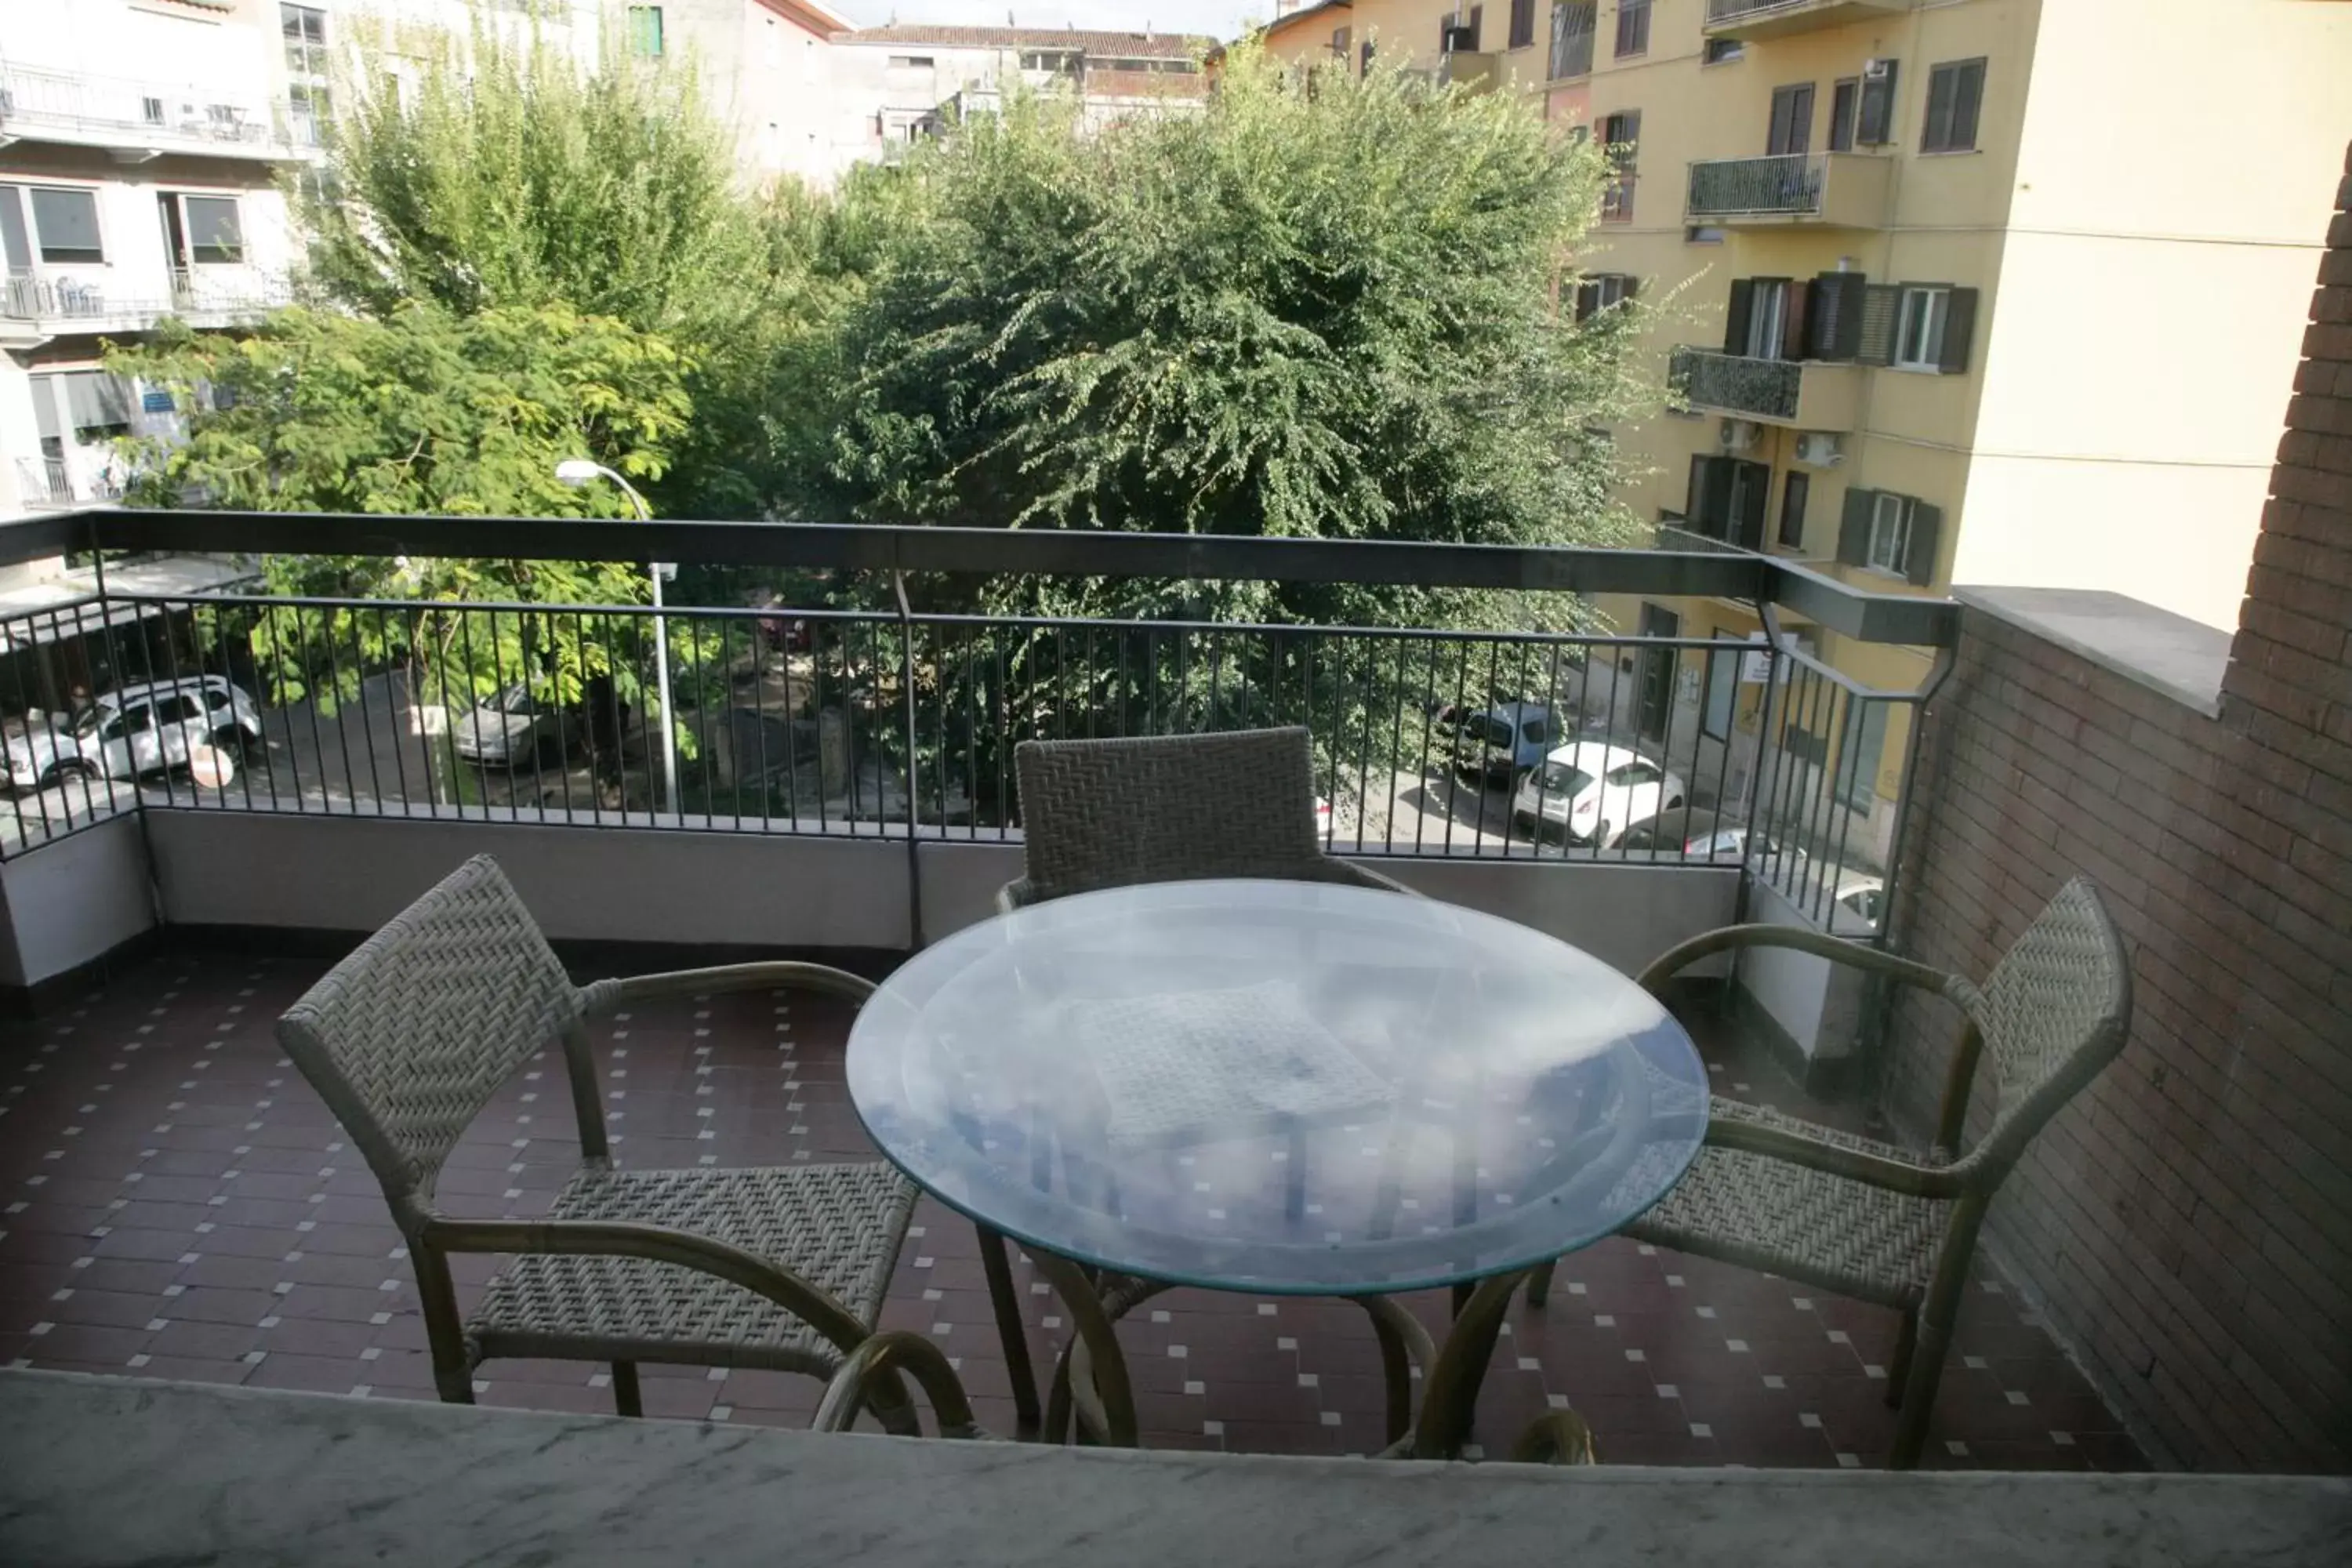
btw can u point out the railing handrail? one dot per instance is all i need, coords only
(1018, 551)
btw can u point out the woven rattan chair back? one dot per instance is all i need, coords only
(408, 1038)
(2055, 1010)
(1115, 814)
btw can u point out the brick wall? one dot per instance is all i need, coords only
(2187, 1223)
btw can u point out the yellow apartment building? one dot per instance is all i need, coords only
(1963, 292)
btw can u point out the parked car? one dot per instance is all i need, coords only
(1588, 791)
(148, 727)
(508, 730)
(1504, 743)
(1860, 905)
(1684, 834)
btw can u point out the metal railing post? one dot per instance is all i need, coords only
(906, 683)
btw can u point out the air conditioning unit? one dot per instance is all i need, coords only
(1877, 70)
(1737, 435)
(1820, 448)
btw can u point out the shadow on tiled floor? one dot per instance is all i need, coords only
(175, 1201)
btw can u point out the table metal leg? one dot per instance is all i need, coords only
(1405, 1345)
(1010, 1327)
(1449, 1401)
(1101, 1380)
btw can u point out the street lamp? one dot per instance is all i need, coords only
(579, 471)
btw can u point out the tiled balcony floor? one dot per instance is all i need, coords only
(175, 1201)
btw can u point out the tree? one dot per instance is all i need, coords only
(1319, 305)
(504, 178)
(424, 412)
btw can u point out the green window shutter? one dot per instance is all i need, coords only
(1926, 532)
(1854, 526)
(1875, 122)
(1736, 313)
(1881, 316)
(1959, 326)
(1695, 492)
(1943, 86)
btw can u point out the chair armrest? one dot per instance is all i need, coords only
(1821, 944)
(600, 997)
(1876, 1170)
(897, 1351)
(656, 1244)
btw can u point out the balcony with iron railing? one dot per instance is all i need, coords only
(137, 119)
(1830, 190)
(1747, 19)
(1806, 394)
(86, 299)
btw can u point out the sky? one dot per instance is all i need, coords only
(1224, 19)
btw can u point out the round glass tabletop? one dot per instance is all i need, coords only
(1286, 1088)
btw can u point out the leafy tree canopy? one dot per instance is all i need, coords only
(1319, 306)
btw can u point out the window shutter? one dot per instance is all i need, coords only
(1842, 116)
(1792, 321)
(1794, 495)
(1881, 315)
(1736, 313)
(1695, 494)
(1959, 326)
(1854, 526)
(1926, 529)
(1968, 101)
(1835, 315)
(1943, 86)
(1753, 493)
(1877, 120)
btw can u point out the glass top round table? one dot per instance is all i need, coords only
(1278, 1088)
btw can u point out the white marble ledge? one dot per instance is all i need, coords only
(123, 1471)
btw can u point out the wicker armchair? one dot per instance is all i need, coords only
(1871, 1220)
(407, 1039)
(1170, 809)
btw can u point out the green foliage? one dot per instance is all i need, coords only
(1320, 306)
(502, 177)
(424, 412)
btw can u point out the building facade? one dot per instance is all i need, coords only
(1955, 292)
(897, 84)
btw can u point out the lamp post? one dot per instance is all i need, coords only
(579, 471)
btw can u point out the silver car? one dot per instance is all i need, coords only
(148, 728)
(510, 729)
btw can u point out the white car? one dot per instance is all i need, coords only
(1589, 791)
(510, 729)
(148, 728)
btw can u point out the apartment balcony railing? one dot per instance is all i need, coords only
(86, 302)
(136, 116)
(896, 724)
(1475, 72)
(1775, 18)
(1804, 393)
(1834, 190)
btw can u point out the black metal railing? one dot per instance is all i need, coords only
(899, 722)
(1789, 183)
(1761, 388)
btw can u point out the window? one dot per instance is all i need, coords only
(1572, 27)
(1795, 491)
(1600, 291)
(1874, 111)
(910, 62)
(1726, 500)
(1763, 318)
(214, 235)
(1364, 58)
(1723, 51)
(1889, 532)
(1791, 127)
(1631, 776)
(1955, 94)
(64, 221)
(1458, 34)
(1633, 27)
(1702, 234)
(151, 111)
(1523, 23)
(646, 31)
(1062, 62)
(1620, 136)
(304, 27)
(1844, 97)
(1339, 44)
(1920, 339)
